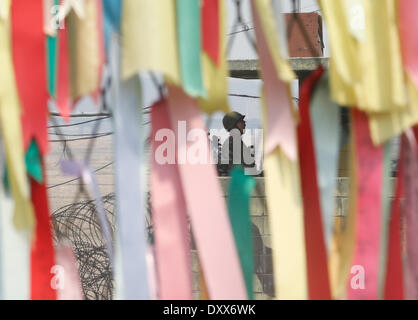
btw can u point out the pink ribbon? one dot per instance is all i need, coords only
(172, 246)
(369, 161)
(206, 207)
(408, 30)
(281, 127)
(67, 278)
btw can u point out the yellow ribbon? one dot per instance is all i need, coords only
(150, 38)
(11, 129)
(368, 73)
(85, 50)
(287, 224)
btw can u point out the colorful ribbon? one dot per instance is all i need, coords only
(280, 126)
(42, 256)
(172, 240)
(394, 287)
(64, 102)
(86, 43)
(239, 192)
(408, 28)
(411, 220)
(386, 211)
(34, 162)
(215, 72)
(369, 161)
(51, 45)
(112, 15)
(189, 45)
(130, 203)
(28, 36)
(326, 132)
(14, 252)
(316, 253)
(67, 282)
(11, 125)
(210, 29)
(287, 230)
(15, 259)
(83, 171)
(152, 23)
(207, 211)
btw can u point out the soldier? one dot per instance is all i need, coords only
(234, 150)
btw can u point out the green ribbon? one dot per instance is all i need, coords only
(52, 59)
(33, 165)
(240, 189)
(189, 46)
(33, 162)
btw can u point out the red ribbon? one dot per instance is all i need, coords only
(63, 86)
(316, 255)
(394, 289)
(42, 255)
(29, 57)
(210, 29)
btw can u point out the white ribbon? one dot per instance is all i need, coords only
(130, 203)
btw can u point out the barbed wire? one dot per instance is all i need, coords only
(77, 224)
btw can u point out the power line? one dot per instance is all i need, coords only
(78, 123)
(85, 138)
(75, 179)
(243, 96)
(80, 134)
(83, 115)
(239, 31)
